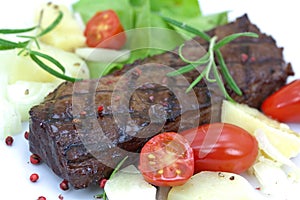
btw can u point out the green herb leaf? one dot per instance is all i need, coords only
(231, 82)
(232, 37)
(49, 58)
(52, 25)
(34, 56)
(14, 31)
(200, 61)
(182, 70)
(221, 84)
(6, 44)
(196, 81)
(99, 196)
(118, 167)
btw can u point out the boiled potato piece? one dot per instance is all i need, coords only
(67, 35)
(215, 186)
(23, 95)
(10, 119)
(286, 141)
(23, 68)
(129, 184)
(272, 178)
(271, 152)
(6, 58)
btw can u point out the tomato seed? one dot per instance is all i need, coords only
(34, 177)
(64, 185)
(151, 156)
(35, 159)
(9, 140)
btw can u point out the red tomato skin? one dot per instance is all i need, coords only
(104, 30)
(284, 104)
(229, 149)
(185, 164)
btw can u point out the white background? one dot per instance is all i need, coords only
(275, 17)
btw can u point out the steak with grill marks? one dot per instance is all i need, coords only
(75, 132)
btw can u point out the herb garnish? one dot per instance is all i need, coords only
(25, 47)
(103, 195)
(209, 59)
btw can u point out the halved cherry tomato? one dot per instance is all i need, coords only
(222, 147)
(104, 30)
(284, 105)
(167, 160)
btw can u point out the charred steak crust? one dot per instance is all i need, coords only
(56, 132)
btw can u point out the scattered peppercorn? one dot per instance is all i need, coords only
(103, 182)
(64, 185)
(244, 57)
(35, 159)
(60, 197)
(151, 98)
(100, 109)
(34, 177)
(9, 140)
(83, 114)
(41, 198)
(26, 135)
(231, 178)
(252, 59)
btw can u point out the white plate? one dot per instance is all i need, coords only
(278, 18)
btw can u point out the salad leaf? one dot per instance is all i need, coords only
(142, 20)
(181, 9)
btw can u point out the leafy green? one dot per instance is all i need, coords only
(140, 16)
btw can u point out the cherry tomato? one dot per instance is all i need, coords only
(104, 30)
(222, 147)
(284, 105)
(167, 160)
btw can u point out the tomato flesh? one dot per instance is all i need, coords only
(222, 147)
(167, 160)
(284, 105)
(104, 30)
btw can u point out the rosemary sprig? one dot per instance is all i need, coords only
(209, 59)
(103, 195)
(25, 47)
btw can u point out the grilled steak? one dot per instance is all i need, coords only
(82, 130)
